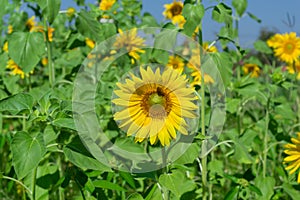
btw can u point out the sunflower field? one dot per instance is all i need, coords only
(103, 101)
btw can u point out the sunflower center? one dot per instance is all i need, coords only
(156, 99)
(176, 9)
(289, 47)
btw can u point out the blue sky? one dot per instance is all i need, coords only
(273, 13)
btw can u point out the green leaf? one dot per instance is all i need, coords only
(148, 21)
(16, 103)
(88, 26)
(26, 49)
(254, 17)
(193, 15)
(27, 152)
(79, 156)
(293, 193)
(222, 13)
(50, 8)
(189, 156)
(266, 186)
(135, 196)
(177, 183)
(108, 185)
(128, 178)
(64, 123)
(232, 194)
(240, 6)
(241, 154)
(262, 47)
(166, 39)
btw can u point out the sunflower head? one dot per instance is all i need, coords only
(286, 46)
(173, 9)
(90, 43)
(106, 4)
(176, 63)
(292, 150)
(251, 68)
(131, 42)
(70, 12)
(155, 105)
(31, 23)
(15, 69)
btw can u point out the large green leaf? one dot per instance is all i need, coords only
(88, 26)
(222, 13)
(27, 152)
(240, 6)
(50, 8)
(16, 103)
(193, 15)
(262, 46)
(26, 49)
(64, 123)
(266, 186)
(177, 183)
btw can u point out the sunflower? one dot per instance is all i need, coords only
(251, 68)
(155, 106)
(31, 23)
(106, 4)
(176, 63)
(70, 12)
(173, 11)
(286, 46)
(198, 78)
(10, 29)
(131, 42)
(5, 47)
(294, 68)
(293, 156)
(209, 48)
(16, 70)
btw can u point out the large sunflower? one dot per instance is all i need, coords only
(131, 42)
(286, 46)
(155, 106)
(293, 158)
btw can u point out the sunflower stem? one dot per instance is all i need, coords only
(34, 183)
(266, 142)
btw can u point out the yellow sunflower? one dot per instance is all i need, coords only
(208, 48)
(155, 106)
(173, 9)
(293, 156)
(31, 23)
(294, 68)
(176, 63)
(251, 68)
(131, 42)
(10, 29)
(16, 70)
(106, 4)
(5, 47)
(198, 78)
(70, 12)
(287, 46)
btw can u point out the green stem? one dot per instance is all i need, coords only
(14, 116)
(19, 182)
(24, 122)
(34, 183)
(266, 144)
(61, 190)
(165, 171)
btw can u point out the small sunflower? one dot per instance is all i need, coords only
(5, 47)
(176, 63)
(90, 43)
(198, 78)
(155, 106)
(70, 12)
(209, 48)
(251, 68)
(173, 11)
(293, 156)
(16, 70)
(131, 42)
(286, 46)
(294, 68)
(106, 4)
(31, 23)
(10, 29)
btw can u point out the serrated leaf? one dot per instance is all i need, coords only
(50, 8)
(193, 15)
(240, 6)
(88, 26)
(27, 152)
(108, 185)
(177, 183)
(26, 49)
(222, 13)
(16, 103)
